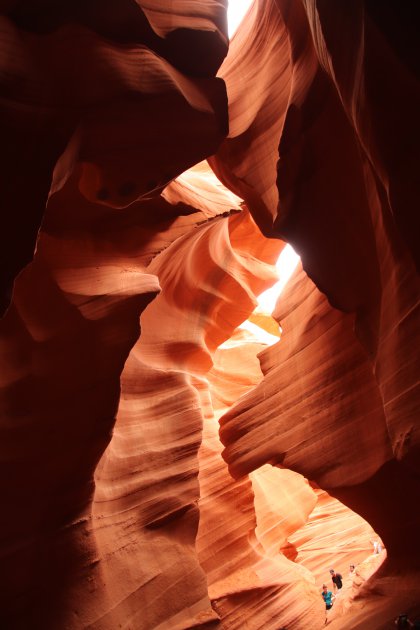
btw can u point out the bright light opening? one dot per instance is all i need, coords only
(260, 324)
(235, 13)
(285, 266)
(261, 335)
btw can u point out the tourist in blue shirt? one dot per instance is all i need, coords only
(327, 596)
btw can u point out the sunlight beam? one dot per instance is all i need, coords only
(285, 265)
(235, 13)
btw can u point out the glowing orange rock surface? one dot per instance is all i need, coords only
(161, 466)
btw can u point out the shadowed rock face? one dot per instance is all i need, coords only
(161, 468)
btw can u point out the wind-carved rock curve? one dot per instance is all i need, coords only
(132, 267)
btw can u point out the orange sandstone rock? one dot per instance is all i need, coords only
(123, 506)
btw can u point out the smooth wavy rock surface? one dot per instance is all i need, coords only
(92, 87)
(163, 468)
(245, 578)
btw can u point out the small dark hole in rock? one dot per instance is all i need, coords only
(127, 189)
(103, 193)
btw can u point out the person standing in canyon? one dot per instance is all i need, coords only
(377, 546)
(337, 580)
(328, 598)
(403, 621)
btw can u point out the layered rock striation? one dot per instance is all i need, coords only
(162, 468)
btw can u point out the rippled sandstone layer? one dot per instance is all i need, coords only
(122, 504)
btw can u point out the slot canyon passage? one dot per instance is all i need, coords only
(174, 455)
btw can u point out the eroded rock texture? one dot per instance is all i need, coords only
(162, 468)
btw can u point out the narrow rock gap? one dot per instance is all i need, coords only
(294, 523)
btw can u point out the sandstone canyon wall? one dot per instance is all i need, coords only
(162, 468)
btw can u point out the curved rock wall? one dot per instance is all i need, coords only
(124, 272)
